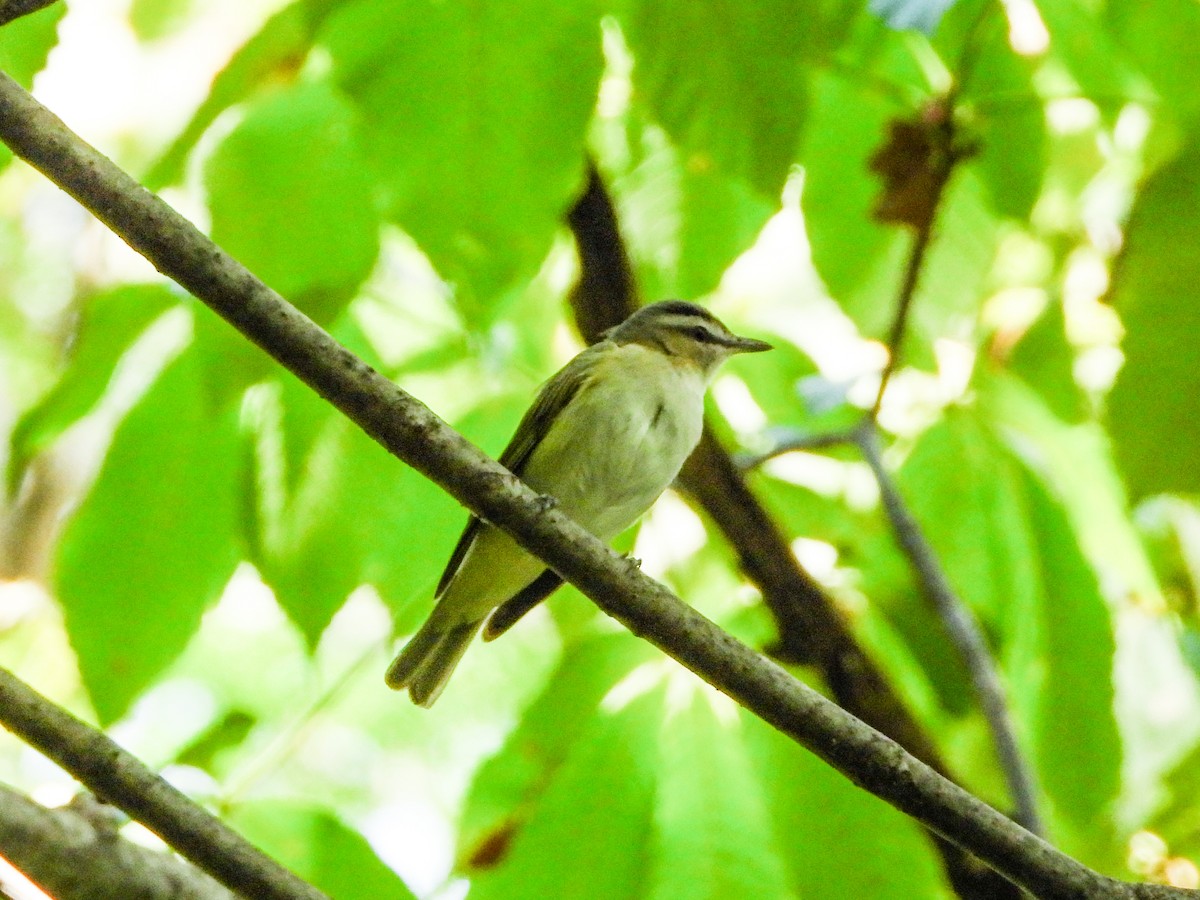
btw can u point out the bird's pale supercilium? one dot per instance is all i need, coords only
(604, 438)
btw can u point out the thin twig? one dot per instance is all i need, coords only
(824, 440)
(119, 778)
(962, 629)
(410, 431)
(75, 856)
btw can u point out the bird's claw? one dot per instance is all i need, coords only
(545, 503)
(632, 560)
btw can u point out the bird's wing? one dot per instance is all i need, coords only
(509, 612)
(551, 399)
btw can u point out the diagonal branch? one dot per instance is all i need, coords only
(77, 856)
(121, 779)
(410, 431)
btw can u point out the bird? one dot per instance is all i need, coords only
(604, 438)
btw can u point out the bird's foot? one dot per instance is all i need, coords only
(545, 503)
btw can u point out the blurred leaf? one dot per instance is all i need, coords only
(727, 81)
(270, 58)
(478, 169)
(668, 206)
(596, 814)
(1002, 109)
(290, 198)
(1044, 360)
(1062, 665)
(153, 543)
(1177, 818)
(1163, 39)
(320, 848)
(1076, 462)
(1079, 39)
(1151, 410)
(25, 43)
(857, 258)
(713, 839)
(108, 325)
(155, 19)
(964, 491)
(225, 733)
(508, 786)
(838, 842)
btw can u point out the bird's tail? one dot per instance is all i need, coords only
(428, 660)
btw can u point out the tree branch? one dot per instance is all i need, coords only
(74, 855)
(14, 9)
(122, 780)
(963, 631)
(411, 432)
(811, 630)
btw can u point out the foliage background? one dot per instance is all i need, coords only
(203, 558)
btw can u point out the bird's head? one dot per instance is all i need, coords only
(686, 332)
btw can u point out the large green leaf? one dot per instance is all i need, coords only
(1163, 40)
(727, 81)
(290, 197)
(474, 118)
(507, 787)
(108, 324)
(587, 837)
(320, 848)
(1002, 109)
(270, 57)
(837, 841)
(1061, 660)
(713, 838)
(1152, 409)
(669, 211)
(26, 43)
(154, 542)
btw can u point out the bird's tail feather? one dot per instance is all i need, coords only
(429, 658)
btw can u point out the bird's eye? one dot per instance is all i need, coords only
(700, 333)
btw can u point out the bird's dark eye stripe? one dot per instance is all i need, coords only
(702, 334)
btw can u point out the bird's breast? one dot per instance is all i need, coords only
(621, 440)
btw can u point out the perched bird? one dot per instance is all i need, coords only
(604, 438)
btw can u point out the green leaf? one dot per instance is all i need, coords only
(727, 81)
(272, 55)
(320, 848)
(668, 209)
(509, 785)
(1008, 122)
(964, 491)
(837, 841)
(1163, 40)
(25, 43)
(1079, 39)
(153, 543)
(1076, 462)
(474, 118)
(1045, 361)
(155, 19)
(713, 838)
(595, 815)
(290, 197)
(108, 325)
(1062, 664)
(1151, 410)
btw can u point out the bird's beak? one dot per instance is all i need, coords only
(748, 345)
